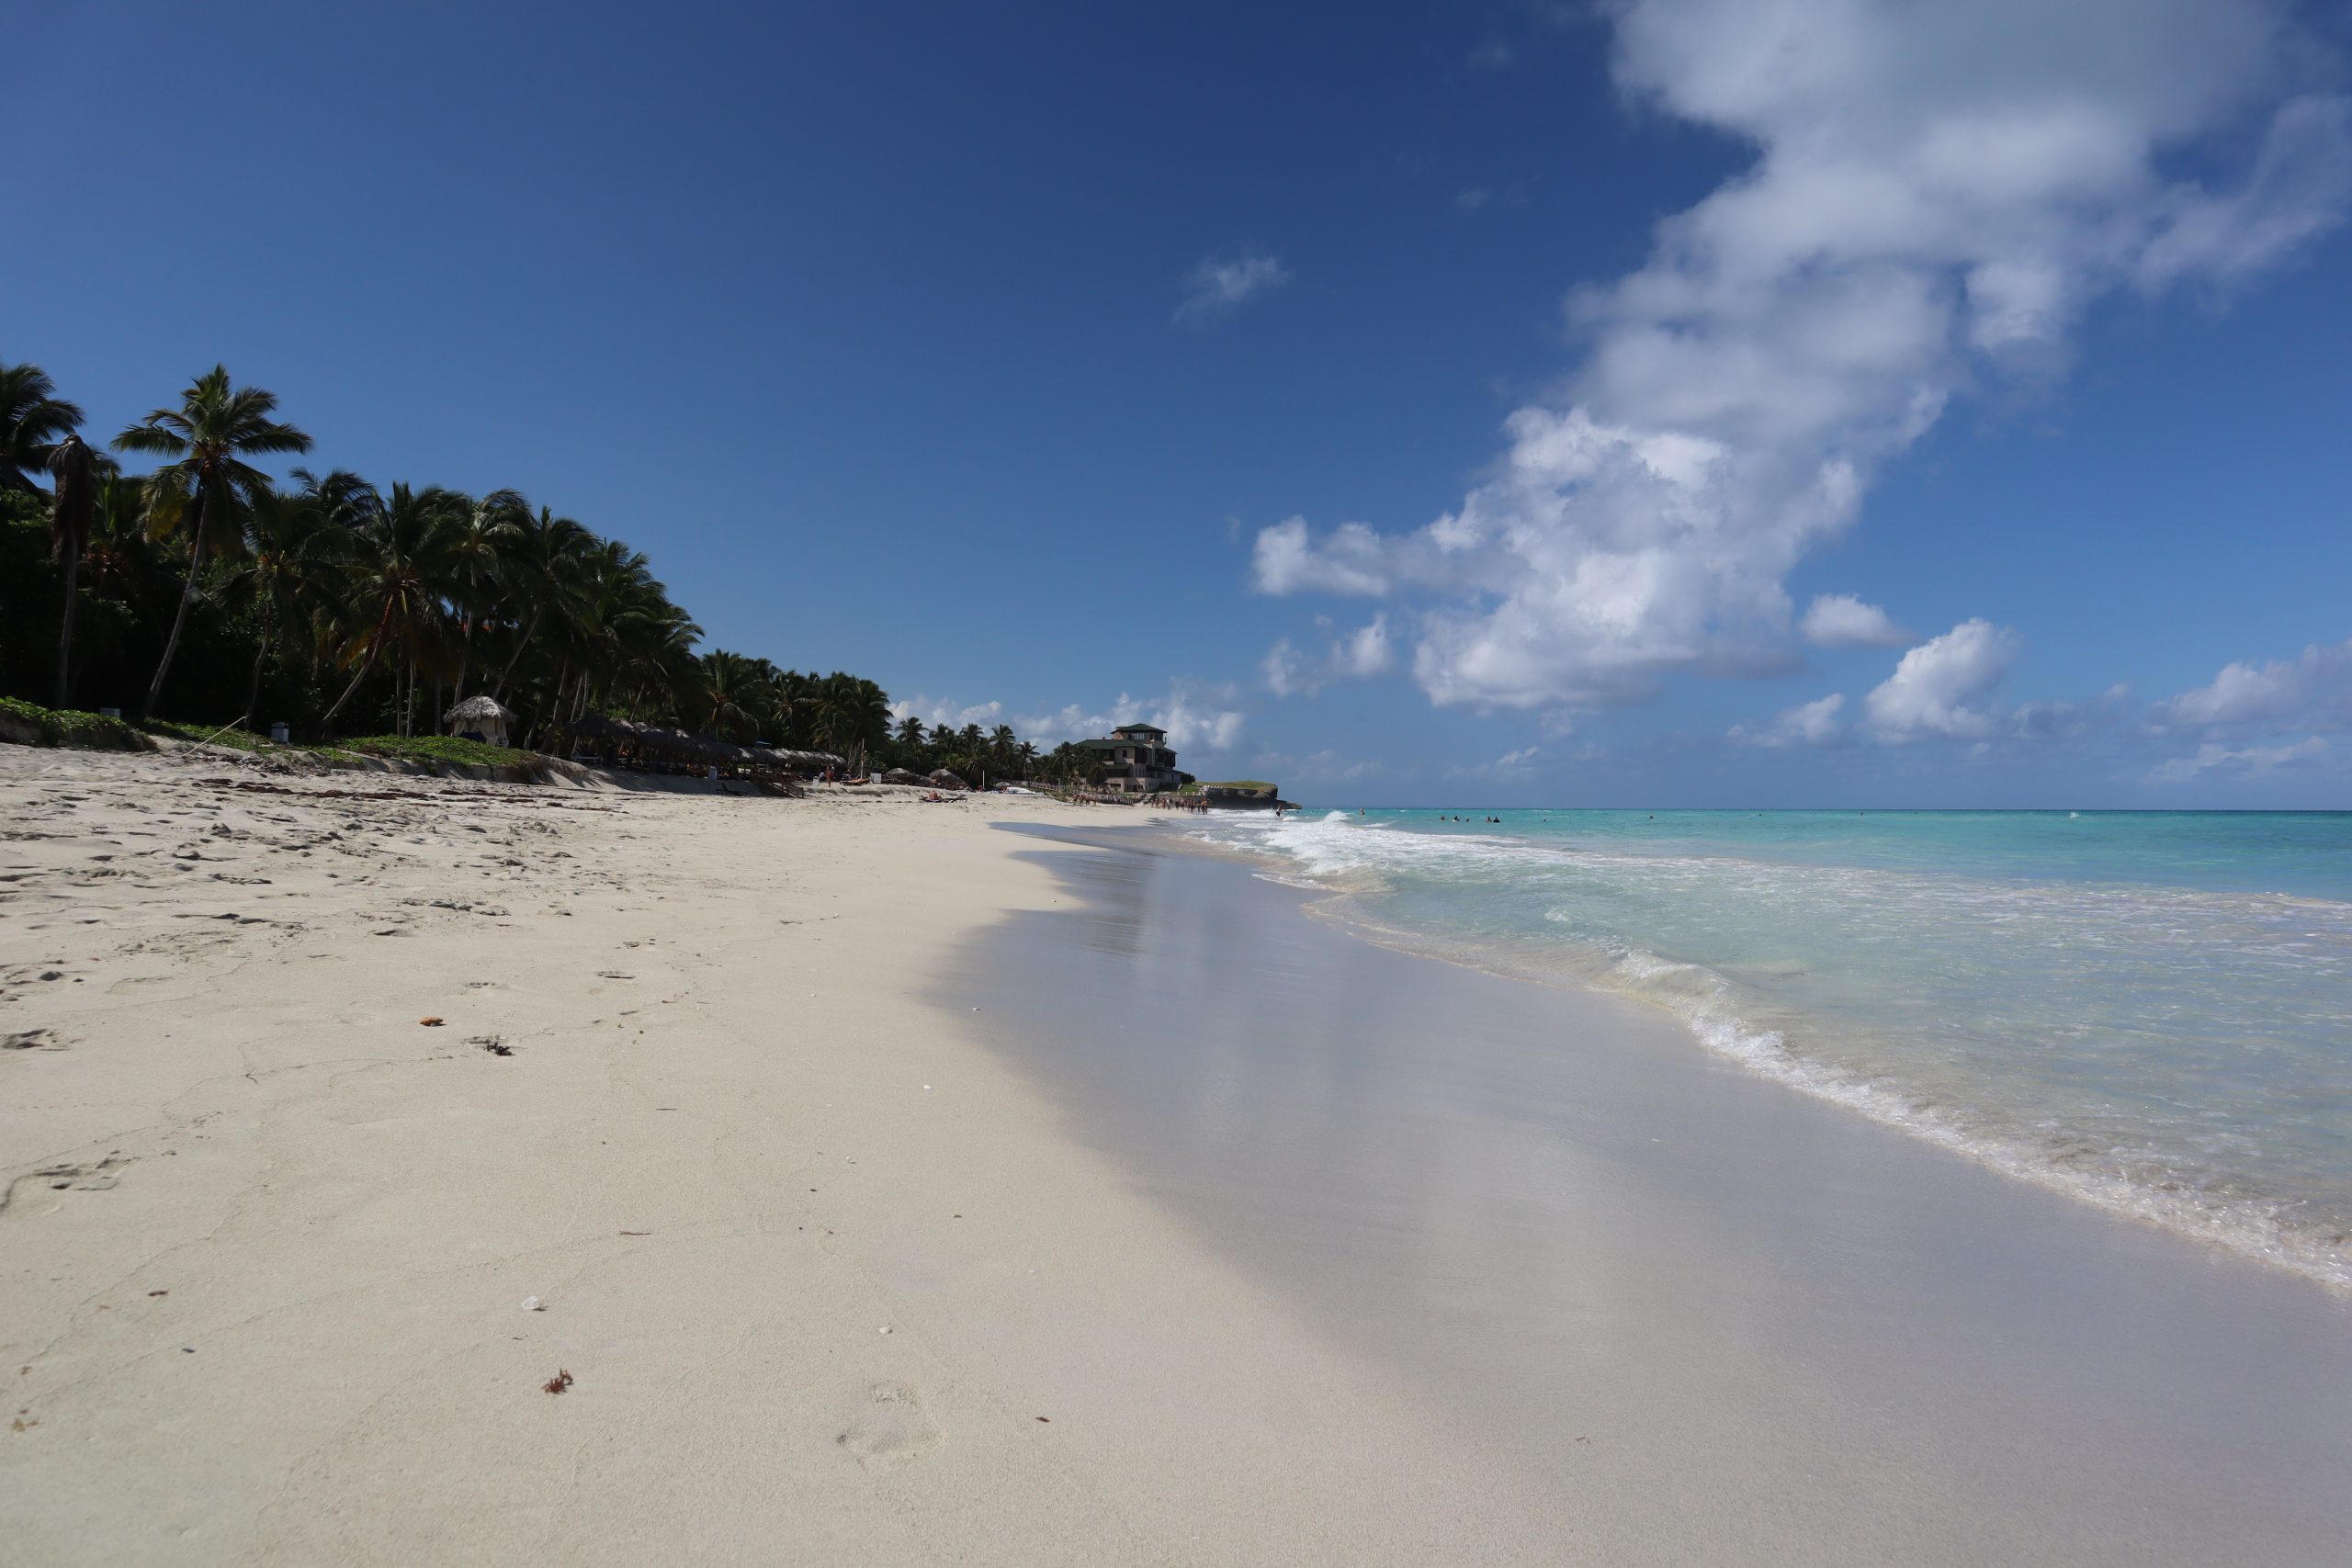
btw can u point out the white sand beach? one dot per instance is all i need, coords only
(832, 1283)
(879, 1186)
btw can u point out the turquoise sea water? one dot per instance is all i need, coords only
(2151, 1011)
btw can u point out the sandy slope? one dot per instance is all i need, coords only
(817, 1264)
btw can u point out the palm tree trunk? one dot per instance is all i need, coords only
(375, 648)
(498, 691)
(253, 691)
(364, 670)
(187, 597)
(65, 637)
(554, 709)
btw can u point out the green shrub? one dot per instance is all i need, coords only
(68, 727)
(441, 748)
(213, 734)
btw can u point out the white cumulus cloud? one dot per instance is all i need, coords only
(1287, 671)
(2312, 690)
(1939, 687)
(1222, 284)
(1840, 620)
(1364, 651)
(1510, 765)
(1349, 560)
(1807, 724)
(1357, 655)
(1192, 717)
(2247, 762)
(946, 713)
(1936, 196)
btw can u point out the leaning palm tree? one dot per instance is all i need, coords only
(209, 435)
(543, 569)
(33, 419)
(399, 577)
(623, 640)
(78, 469)
(294, 556)
(651, 646)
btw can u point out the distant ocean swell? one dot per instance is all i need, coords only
(2177, 1056)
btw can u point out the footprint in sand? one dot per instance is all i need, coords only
(890, 1428)
(98, 1178)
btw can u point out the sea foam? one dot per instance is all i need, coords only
(2125, 1021)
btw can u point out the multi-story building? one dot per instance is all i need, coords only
(1136, 757)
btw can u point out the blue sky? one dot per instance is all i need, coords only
(991, 352)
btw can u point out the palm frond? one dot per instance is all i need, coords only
(151, 436)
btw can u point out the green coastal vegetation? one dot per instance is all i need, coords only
(165, 572)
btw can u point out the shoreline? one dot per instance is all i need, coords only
(870, 1231)
(1562, 1218)
(2263, 1217)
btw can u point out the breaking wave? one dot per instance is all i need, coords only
(2173, 1054)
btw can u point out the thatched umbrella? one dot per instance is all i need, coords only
(596, 727)
(942, 779)
(902, 776)
(806, 762)
(479, 715)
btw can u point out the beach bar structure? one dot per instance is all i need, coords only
(654, 748)
(1135, 760)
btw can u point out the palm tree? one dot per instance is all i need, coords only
(341, 499)
(400, 570)
(486, 530)
(797, 698)
(216, 425)
(852, 716)
(294, 554)
(33, 419)
(727, 695)
(118, 545)
(78, 469)
(543, 568)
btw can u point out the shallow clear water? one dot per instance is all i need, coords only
(2150, 1010)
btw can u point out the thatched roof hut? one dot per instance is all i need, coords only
(479, 718)
(665, 748)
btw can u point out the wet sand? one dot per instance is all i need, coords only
(1707, 1318)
